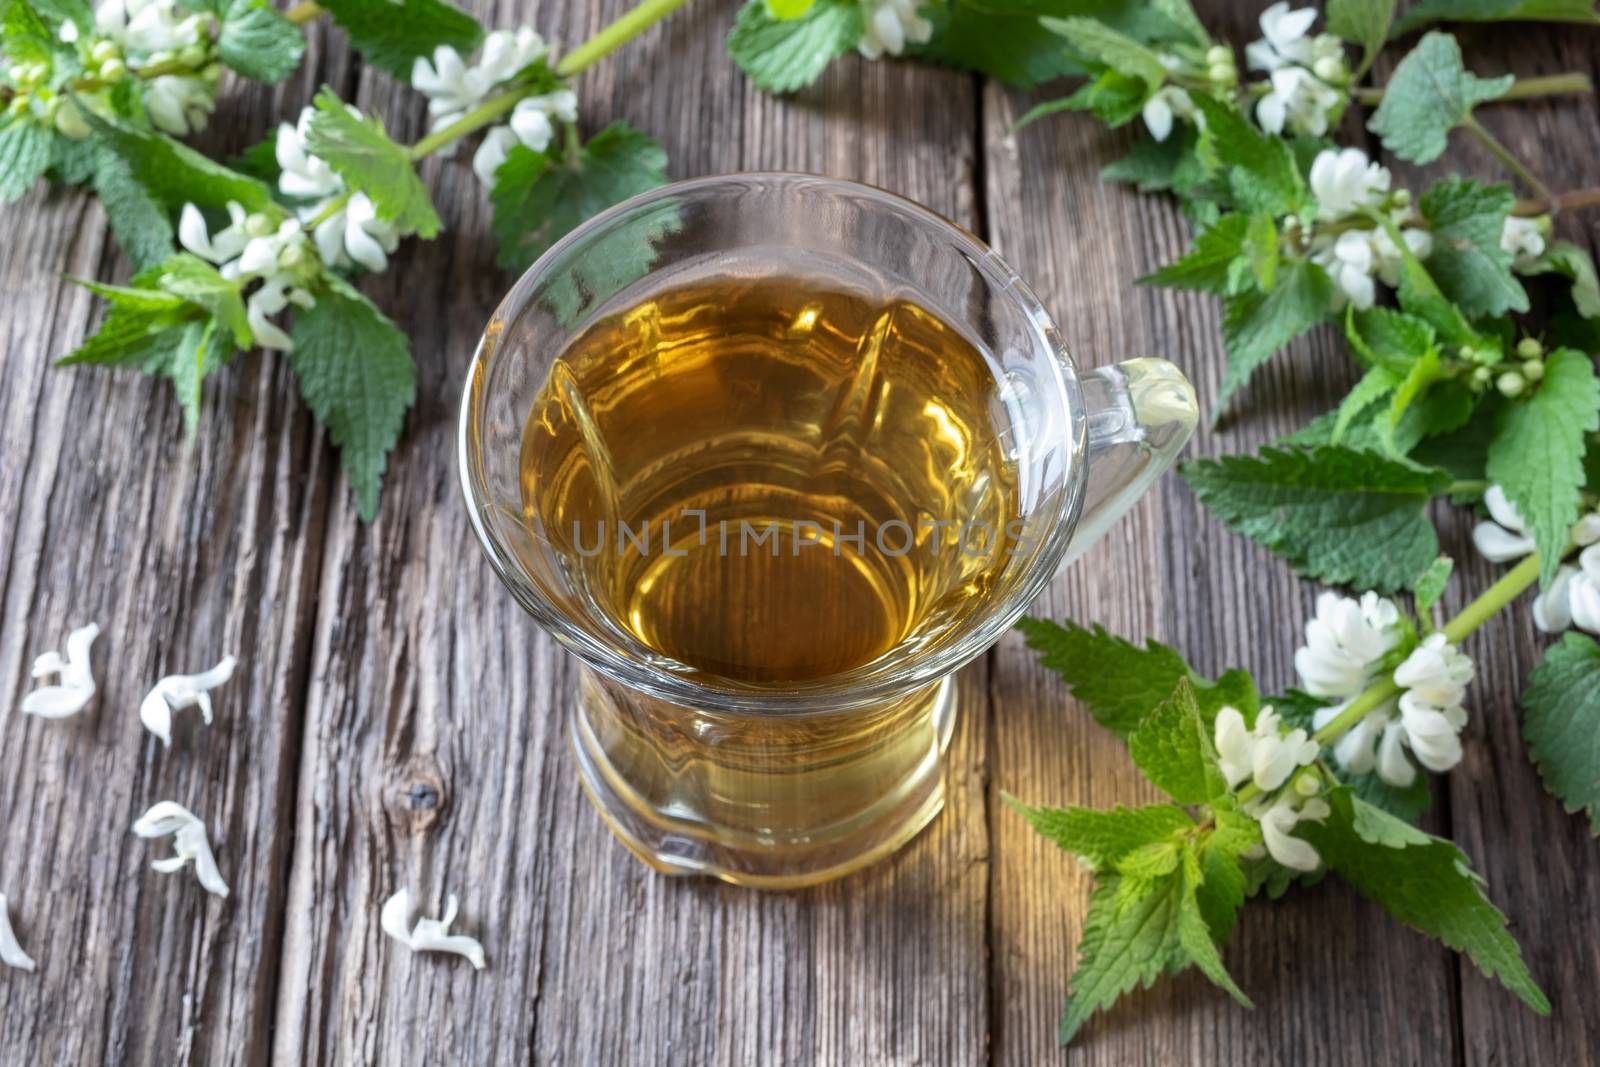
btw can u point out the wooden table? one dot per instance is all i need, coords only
(397, 720)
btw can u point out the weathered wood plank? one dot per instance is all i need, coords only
(435, 752)
(181, 553)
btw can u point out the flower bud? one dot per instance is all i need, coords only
(1223, 73)
(163, 56)
(1481, 376)
(1329, 69)
(1533, 370)
(1218, 53)
(292, 257)
(1530, 348)
(112, 70)
(212, 74)
(1308, 783)
(1510, 384)
(69, 121)
(192, 55)
(259, 225)
(104, 50)
(1400, 198)
(18, 105)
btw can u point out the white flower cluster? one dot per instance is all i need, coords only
(454, 87)
(890, 26)
(1304, 73)
(1524, 239)
(347, 229)
(1346, 645)
(1573, 599)
(147, 33)
(252, 247)
(1346, 184)
(1267, 757)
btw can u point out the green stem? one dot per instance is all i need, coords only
(1506, 156)
(483, 115)
(302, 13)
(1511, 585)
(1522, 89)
(1578, 198)
(624, 29)
(330, 209)
(1471, 486)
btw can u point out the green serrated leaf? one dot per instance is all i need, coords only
(1258, 324)
(1000, 41)
(1125, 943)
(1427, 11)
(1385, 337)
(1467, 261)
(1121, 682)
(1430, 584)
(1425, 882)
(788, 9)
(1222, 892)
(1172, 746)
(360, 151)
(1194, 933)
(780, 55)
(1361, 22)
(1113, 98)
(193, 279)
(1344, 516)
(539, 199)
(354, 369)
(1206, 265)
(1429, 94)
(393, 34)
(1561, 723)
(1153, 166)
(173, 174)
(1101, 838)
(1096, 42)
(1260, 169)
(140, 225)
(258, 42)
(1537, 452)
(1374, 385)
(1570, 261)
(25, 37)
(26, 152)
(1423, 373)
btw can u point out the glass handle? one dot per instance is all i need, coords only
(1141, 413)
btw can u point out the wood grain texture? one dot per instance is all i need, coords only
(435, 752)
(181, 553)
(399, 722)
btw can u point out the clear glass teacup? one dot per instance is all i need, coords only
(732, 443)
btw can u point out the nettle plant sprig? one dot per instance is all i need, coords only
(1461, 397)
(226, 253)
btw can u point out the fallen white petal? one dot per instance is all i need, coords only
(189, 844)
(76, 687)
(429, 935)
(11, 953)
(178, 691)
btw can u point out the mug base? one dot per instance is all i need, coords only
(674, 845)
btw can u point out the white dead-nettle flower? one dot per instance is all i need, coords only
(1298, 101)
(148, 26)
(1279, 818)
(1345, 180)
(1345, 643)
(1284, 40)
(1170, 102)
(429, 935)
(189, 845)
(453, 87)
(301, 174)
(73, 691)
(348, 231)
(890, 26)
(164, 33)
(1574, 597)
(11, 953)
(1349, 261)
(1524, 239)
(1298, 69)
(532, 123)
(178, 691)
(179, 104)
(1263, 755)
(254, 248)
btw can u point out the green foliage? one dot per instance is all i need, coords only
(539, 197)
(1259, 324)
(1429, 94)
(1260, 169)
(1095, 42)
(1210, 264)
(1101, 838)
(1427, 11)
(1000, 39)
(1172, 748)
(173, 174)
(1335, 513)
(1467, 262)
(25, 154)
(1431, 583)
(1125, 944)
(780, 55)
(1121, 682)
(139, 224)
(393, 34)
(358, 149)
(1429, 885)
(1562, 723)
(1574, 263)
(355, 372)
(1538, 448)
(258, 42)
(1361, 22)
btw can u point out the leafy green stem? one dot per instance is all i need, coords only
(1509, 158)
(1522, 89)
(632, 23)
(483, 115)
(330, 209)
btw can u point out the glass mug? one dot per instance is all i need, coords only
(785, 781)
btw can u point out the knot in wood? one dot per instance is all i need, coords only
(416, 797)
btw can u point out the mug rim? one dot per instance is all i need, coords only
(844, 691)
